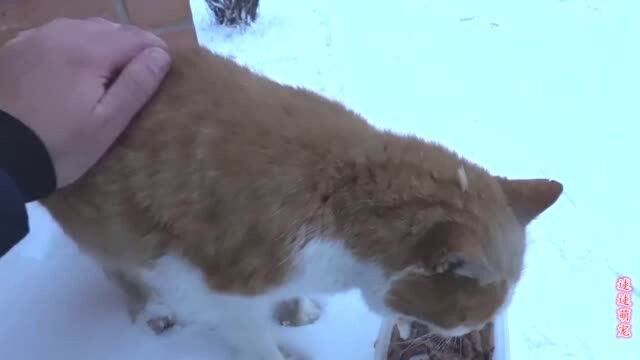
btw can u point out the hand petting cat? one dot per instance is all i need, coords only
(67, 90)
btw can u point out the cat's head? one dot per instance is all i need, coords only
(451, 247)
(465, 271)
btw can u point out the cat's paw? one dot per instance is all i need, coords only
(157, 317)
(161, 324)
(298, 312)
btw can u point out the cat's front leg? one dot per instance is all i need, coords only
(142, 306)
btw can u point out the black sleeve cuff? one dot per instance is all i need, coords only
(14, 223)
(25, 159)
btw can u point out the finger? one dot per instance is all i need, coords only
(119, 47)
(131, 90)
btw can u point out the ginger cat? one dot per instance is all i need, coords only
(231, 193)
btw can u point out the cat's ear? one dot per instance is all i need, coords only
(453, 247)
(529, 198)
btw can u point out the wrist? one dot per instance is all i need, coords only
(25, 159)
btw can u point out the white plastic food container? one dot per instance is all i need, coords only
(500, 333)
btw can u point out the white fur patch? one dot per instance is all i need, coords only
(322, 267)
(404, 328)
(246, 323)
(463, 180)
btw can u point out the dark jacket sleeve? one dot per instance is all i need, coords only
(14, 224)
(26, 174)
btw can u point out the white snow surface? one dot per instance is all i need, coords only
(531, 88)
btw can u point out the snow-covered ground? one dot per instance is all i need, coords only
(532, 88)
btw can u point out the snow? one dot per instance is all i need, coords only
(532, 88)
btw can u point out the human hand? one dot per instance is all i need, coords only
(77, 84)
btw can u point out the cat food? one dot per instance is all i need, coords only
(418, 345)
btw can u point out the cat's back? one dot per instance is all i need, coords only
(216, 144)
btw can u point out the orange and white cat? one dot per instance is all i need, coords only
(231, 193)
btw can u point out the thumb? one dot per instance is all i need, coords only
(130, 91)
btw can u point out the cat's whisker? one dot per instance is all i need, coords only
(419, 341)
(442, 343)
(412, 343)
(452, 341)
(411, 346)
